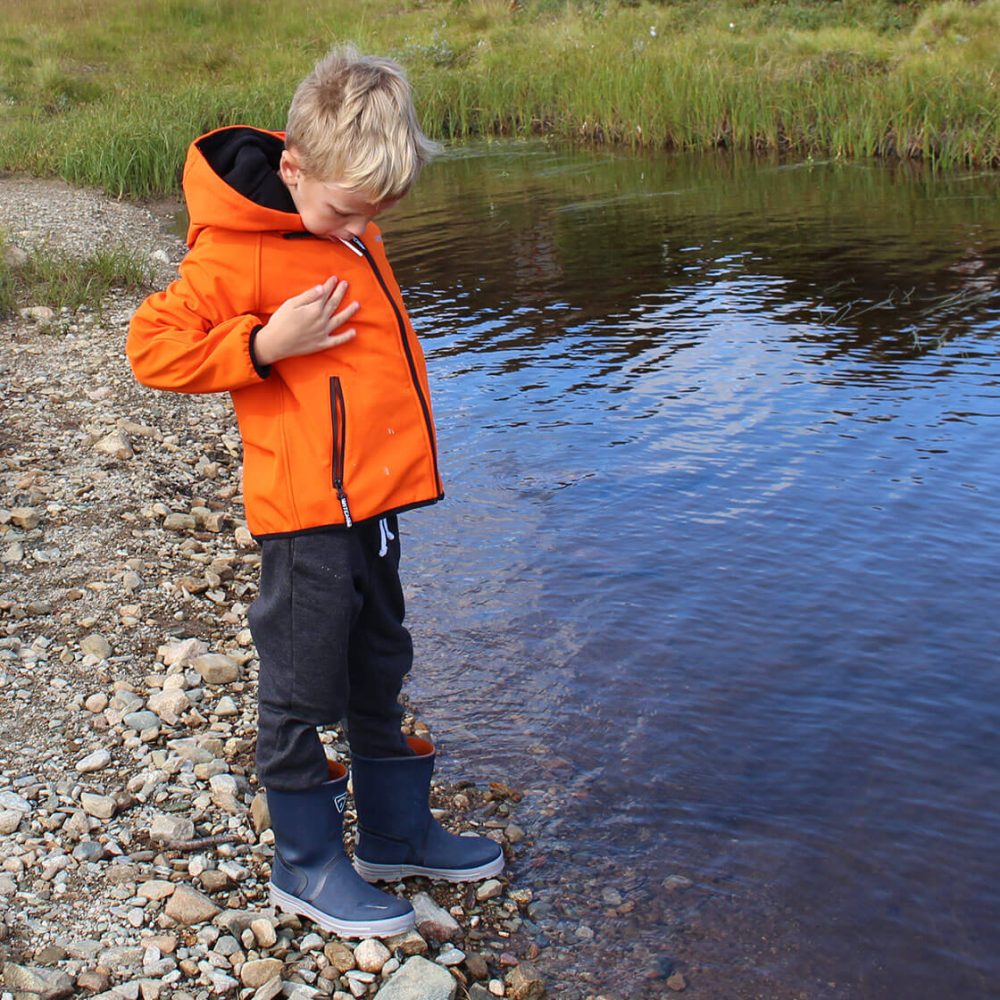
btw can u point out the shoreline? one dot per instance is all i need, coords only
(136, 843)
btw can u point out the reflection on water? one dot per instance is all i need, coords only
(717, 578)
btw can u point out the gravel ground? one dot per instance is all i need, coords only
(134, 844)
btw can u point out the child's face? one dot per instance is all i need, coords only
(328, 209)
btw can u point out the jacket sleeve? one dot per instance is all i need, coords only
(196, 335)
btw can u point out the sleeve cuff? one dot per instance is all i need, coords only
(262, 370)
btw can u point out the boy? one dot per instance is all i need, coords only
(338, 438)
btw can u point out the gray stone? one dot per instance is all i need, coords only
(166, 827)
(419, 979)
(141, 721)
(450, 956)
(11, 800)
(42, 984)
(10, 820)
(433, 922)
(122, 959)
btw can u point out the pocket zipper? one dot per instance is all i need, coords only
(338, 419)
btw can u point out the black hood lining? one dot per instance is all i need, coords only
(247, 160)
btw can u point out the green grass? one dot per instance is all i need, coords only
(52, 278)
(110, 93)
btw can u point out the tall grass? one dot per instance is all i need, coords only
(110, 93)
(46, 277)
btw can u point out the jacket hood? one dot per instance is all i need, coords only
(231, 181)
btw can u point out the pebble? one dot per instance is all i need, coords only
(264, 933)
(370, 955)
(189, 906)
(100, 806)
(93, 762)
(96, 645)
(216, 668)
(419, 979)
(433, 922)
(490, 889)
(260, 971)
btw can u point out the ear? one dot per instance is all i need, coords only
(289, 169)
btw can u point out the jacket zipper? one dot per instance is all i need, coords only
(359, 245)
(338, 418)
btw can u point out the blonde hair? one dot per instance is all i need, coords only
(352, 121)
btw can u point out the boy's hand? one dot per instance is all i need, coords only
(305, 324)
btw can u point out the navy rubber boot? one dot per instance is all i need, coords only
(311, 874)
(398, 836)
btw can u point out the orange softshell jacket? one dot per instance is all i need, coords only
(329, 439)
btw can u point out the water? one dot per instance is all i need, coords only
(716, 582)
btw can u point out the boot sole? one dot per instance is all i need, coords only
(393, 873)
(386, 927)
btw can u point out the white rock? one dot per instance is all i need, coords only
(166, 828)
(419, 979)
(11, 800)
(370, 955)
(40, 314)
(216, 668)
(93, 761)
(169, 704)
(180, 652)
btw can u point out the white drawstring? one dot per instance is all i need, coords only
(385, 536)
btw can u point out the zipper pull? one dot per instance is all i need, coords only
(342, 497)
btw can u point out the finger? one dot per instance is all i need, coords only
(317, 293)
(339, 319)
(335, 340)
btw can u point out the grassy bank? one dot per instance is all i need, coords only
(109, 92)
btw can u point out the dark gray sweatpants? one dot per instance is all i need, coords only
(328, 626)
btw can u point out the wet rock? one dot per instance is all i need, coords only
(677, 982)
(524, 982)
(189, 906)
(450, 956)
(673, 883)
(476, 965)
(419, 979)
(490, 889)
(433, 923)
(37, 983)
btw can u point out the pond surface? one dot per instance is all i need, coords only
(716, 582)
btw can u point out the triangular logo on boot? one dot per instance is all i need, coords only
(340, 801)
